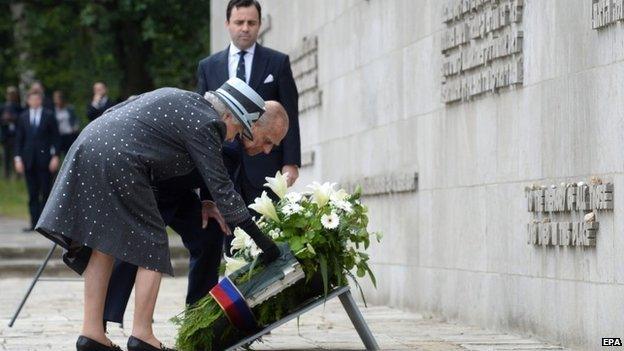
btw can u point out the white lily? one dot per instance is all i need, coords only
(233, 264)
(240, 241)
(339, 195)
(321, 192)
(279, 183)
(254, 250)
(264, 205)
(343, 205)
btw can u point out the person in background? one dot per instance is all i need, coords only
(37, 145)
(268, 72)
(37, 87)
(100, 101)
(8, 120)
(68, 123)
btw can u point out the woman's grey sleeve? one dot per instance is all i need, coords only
(204, 147)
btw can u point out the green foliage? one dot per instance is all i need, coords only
(13, 198)
(8, 52)
(132, 45)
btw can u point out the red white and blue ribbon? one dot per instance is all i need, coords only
(234, 305)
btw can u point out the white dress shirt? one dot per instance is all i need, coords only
(233, 58)
(63, 119)
(35, 117)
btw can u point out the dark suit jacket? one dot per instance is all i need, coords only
(37, 146)
(93, 113)
(7, 128)
(212, 72)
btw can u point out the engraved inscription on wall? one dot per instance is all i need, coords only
(606, 12)
(304, 64)
(400, 182)
(567, 215)
(481, 47)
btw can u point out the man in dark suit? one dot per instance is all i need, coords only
(37, 145)
(100, 101)
(268, 72)
(10, 112)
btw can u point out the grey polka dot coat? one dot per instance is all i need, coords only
(102, 197)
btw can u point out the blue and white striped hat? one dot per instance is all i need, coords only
(243, 101)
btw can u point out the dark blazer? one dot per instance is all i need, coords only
(7, 127)
(212, 72)
(93, 112)
(37, 146)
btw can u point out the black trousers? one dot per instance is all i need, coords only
(7, 146)
(66, 141)
(182, 212)
(39, 184)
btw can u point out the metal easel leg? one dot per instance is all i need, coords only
(358, 320)
(32, 285)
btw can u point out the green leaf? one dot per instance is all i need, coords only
(361, 272)
(323, 265)
(371, 275)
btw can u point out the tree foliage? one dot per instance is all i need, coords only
(132, 45)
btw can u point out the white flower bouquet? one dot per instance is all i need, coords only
(326, 230)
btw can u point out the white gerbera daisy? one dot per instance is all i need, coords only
(290, 209)
(293, 197)
(330, 221)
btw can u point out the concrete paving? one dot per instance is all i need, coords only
(51, 320)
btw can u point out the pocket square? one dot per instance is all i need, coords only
(268, 79)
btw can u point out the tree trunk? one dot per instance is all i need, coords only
(132, 53)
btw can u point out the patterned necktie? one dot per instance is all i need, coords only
(240, 70)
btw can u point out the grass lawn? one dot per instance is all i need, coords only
(13, 198)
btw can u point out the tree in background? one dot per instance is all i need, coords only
(132, 45)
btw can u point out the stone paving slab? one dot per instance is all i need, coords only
(51, 320)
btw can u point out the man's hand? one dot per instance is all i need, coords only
(96, 99)
(19, 166)
(210, 210)
(293, 173)
(54, 164)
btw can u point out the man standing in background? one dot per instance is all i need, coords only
(268, 72)
(10, 112)
(37, 146)
(100, 102)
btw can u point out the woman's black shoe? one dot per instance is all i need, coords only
(135, 344)
(85, 344)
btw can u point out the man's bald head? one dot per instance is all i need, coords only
(268, 130)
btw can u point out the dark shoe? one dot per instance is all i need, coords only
(85, 344)
(135, 344)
